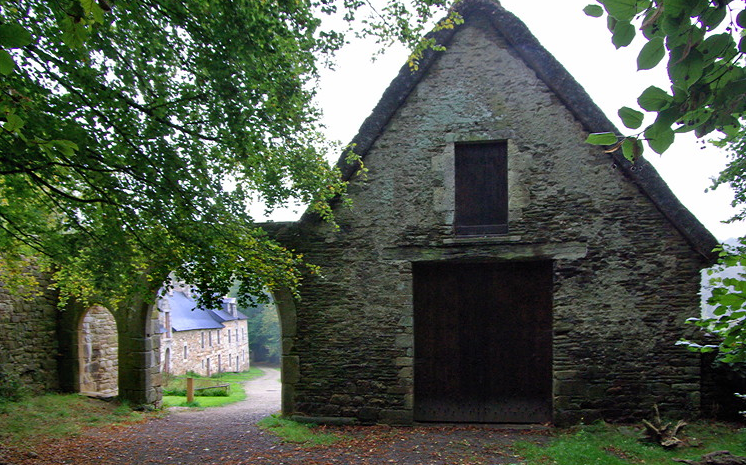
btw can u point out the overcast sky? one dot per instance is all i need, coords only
(583, 45)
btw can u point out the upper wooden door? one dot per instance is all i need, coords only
(481, 188)
(483, 342)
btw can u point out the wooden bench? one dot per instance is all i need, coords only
(227, 386)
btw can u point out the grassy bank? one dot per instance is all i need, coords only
(297, 433)
(236, 392)
(33, 420)
(603, 444)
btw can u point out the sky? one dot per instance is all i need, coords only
(582, 44)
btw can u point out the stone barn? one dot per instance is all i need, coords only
(493, 267)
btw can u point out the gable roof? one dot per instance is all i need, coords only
(186, 316)
(567, 89)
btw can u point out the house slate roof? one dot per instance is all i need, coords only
(186, 316)
(559, 80)
(222, 315)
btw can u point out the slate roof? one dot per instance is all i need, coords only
(567, 89)
(186, 316)
(222, 315)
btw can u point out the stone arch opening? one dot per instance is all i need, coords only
(265, 338)
(98, 353)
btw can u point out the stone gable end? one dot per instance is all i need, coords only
(624, 278)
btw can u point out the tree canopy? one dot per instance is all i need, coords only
(136, 133)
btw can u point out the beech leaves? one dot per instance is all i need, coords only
(701, 44)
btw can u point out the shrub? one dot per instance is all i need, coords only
(11, 387)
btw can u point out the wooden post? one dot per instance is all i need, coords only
(190, 390)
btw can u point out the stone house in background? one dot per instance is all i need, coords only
(200, 340)
(493, 267)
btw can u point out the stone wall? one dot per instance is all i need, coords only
(28, 342)
(98, 351)
(625, 278)
(197, 350)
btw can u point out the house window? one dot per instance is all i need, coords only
(220, 365)
(218, 337)
(209, 338)
(186, 352)
(229, 336)
(203, 339)
(481, 188)
(168, 325)
(230, 360)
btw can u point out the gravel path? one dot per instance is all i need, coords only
(228, 435)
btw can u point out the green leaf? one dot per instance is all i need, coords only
(654, 99)
(742, 45)
(594, 10)
(693, 119)
(740, 19)
(601, 138)
(651, 54)
(713, 17)
(677, 8)
(7, 65)
(717, 46)
(74, 34)
(14, 36)
(623, 10)
(673, 27)
(632, 148)
(624, 32)
(611, 23)
(92, 7)
(659, 138)
(685, 70)
(67, 147)
(98, 13)
(630, 117)
(651, 19)
(13, 122)
(87, 5)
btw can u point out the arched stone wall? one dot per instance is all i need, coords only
(140, 379)
(138, 349)
(98, 353)
(289, 364)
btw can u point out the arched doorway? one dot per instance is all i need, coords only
(98, 353)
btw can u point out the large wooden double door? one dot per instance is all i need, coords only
(483, 342)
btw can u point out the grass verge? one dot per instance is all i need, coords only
(237, 392)
(605, 444)
(298, 433)
(32, 420)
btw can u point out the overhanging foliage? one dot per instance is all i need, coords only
(136, 133)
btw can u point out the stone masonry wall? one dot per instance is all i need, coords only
(625, 278)
(202, 345)
(99, 354)
(28, 343)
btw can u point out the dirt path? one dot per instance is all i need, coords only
(228, 435)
